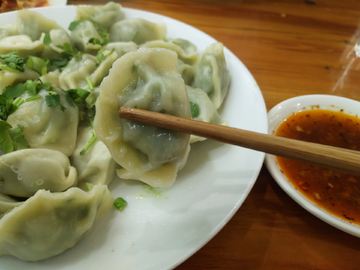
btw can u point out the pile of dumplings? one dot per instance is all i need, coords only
(52, 194)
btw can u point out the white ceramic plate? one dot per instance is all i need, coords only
(162, 228)
(276, 116)
(57, 2)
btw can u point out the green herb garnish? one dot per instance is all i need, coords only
(120, 204)
(12, 62)
(38, 64)
(194, 108)
(53, 100)
(12, 139)
(90, 143)
(73, 25)
(47, 39)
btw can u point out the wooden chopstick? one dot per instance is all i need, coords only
(322, 155)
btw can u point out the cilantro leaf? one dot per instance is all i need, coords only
(60, 63)
(68, 51)
(47, 39)
(73, 25)
(5, 139)
(78, 95)
(95, 41)
(18, 139)
(53, 100)
(12, 139)
(13, 61)
(14, 91)
(101, 56)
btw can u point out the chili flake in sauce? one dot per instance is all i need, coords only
(336, 192)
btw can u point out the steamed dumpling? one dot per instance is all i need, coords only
(33, 24)
(137, 30)
(86, 67)
(58, 38)
(8, 30)
(48, 127)
(96, 166)
(211, 74)
(81, 35)
(24, 172)
(149, 80)
(186, 71)
(22, 44)
(104, 15)
(48, 223)
(121, 48)
(186, 51)
(7, 203)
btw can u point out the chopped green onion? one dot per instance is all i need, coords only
(5, 67)
(120, 204)
(33, 98)
(37, 64)
(176, 43)
(89, 186)
(88, 81)
(194, 107)
(16, 104)
(90, 143)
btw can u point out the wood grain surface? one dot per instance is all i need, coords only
(292, 48)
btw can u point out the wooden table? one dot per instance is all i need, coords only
(292, 48)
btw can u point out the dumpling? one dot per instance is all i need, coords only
(24, 172)
(58, 38)
(8, 30)
(48, 223)
(21, 44)
(34, 24)
(149, 80)
(96, 166)
(187, 51)
(104, 15)
(87, 67)
(136, 30)
(81, 35)
(9, 78)
(121, 48)
(186, 71)
(211, 74)
(205, 110)
(51, 77)
(7, 203)
(48, 127)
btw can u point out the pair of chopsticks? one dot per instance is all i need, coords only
(322, 155)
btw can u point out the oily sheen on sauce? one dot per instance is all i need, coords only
(336, 192)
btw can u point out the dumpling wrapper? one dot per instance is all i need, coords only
(96, 166)
(211, 73)
(24, 172)
(48, 223)
(48, 127)
(145, 79)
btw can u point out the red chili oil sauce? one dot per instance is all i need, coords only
(336, 192)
